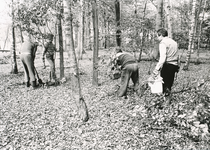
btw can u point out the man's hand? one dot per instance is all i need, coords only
(155, 73)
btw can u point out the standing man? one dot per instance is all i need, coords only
(129, 69)
(50, 52)
(167, 65)
(28, 52)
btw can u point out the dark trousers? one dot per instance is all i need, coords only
(28, 65)
(168, 73)
(129, 71)
(51, 62)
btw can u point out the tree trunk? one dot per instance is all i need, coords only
(199, 33)
(60, 36)
(21, 34)
(168, 16)
(67, 28)
(118, 31)
(191, 35)
(96, 42)
(108, 36)
(105, 28)
(88, 28)
(80, 31)
(159, 16)
(159, 24)
(76, 85)
(14, 69)
(143, 32)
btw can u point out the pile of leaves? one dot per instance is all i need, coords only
(46, 118)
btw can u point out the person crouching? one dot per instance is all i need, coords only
(129, 69)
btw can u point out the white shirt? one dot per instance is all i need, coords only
(168, 52)
(162, 59)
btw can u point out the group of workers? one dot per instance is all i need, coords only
(166, 67)
(27, 56)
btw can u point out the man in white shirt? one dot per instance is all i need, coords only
(167, 65)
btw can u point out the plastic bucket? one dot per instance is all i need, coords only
(156, 86)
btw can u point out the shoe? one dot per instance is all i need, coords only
(167, 100)
(34, 85)
(28, 84)
(167, 92)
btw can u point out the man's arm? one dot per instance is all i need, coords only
(34, 49)
(162, 59)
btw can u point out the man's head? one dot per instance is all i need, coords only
(50, 37)
(162, 33)
(118, 50)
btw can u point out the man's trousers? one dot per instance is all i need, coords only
(129, 71)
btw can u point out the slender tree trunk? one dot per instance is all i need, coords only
(96, 42)
(67, 28)
(143, 32)
(83, 29)
(76, 35)
(191, 33)
(19, 26)
(60, 36)
(168, 16)
(80, 31)
(88, 28)
(105, 29)
(159, 16)
(118, 31)
(108, 36)
(76, 85)
(159, 24)
(21, 34)
(195, 33)
(199, 32)
(14, 69)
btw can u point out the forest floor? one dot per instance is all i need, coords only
(46, 118)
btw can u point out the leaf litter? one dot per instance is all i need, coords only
(46, 118)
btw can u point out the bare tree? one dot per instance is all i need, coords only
(60, 36)
(199, 32)
(159, 16)
(80, 42)
(143, 31)
(76, 85)
(14, 69)
(168, 16)
(118, 31)
(159, 24)
(191, 35)
(96, 42)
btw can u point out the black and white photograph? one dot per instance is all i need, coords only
(104, 75)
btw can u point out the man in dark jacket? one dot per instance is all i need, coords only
(129, 69)
(50, 51)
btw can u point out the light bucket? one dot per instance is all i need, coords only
(156, 85)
